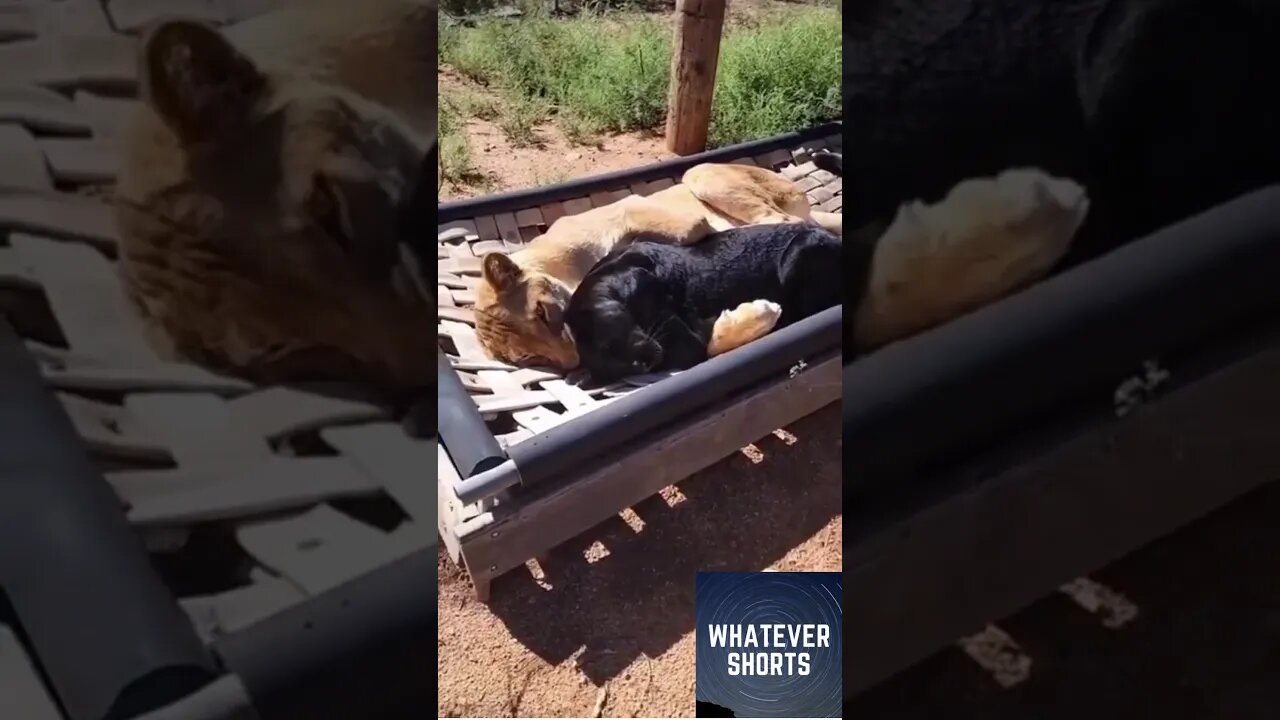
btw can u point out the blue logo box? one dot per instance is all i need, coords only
(769, 644)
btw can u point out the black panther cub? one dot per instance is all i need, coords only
(654, 305)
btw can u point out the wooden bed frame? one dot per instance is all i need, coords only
(499, 532)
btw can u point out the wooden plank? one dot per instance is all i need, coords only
(59, 215)
(107, 116)
(699, 24)
(576, 206)
(819, 195)
(85, 293)
(23, 163)
(463, 266)
(661, 184)
(89, 375)
(234, 610)
(319, 549)
(468, 228)
(17, 21)
(200, 429)
(537, 419)
(278, 412)
(529, 217)
(552, 212)
(399, 463)
(39, 109)
(795, 172)
(568, 395)
(131, 16)
(72, 61)
(14, 273)
(807, 183)
(448, 507)
(500, 382)
(508, 228)
(25, 695)
(457, 314)
(478, 364)
(1106, 489)
(484, 247)
(183, 497)
(487, 228)
(74, 17)
(112, 430)
(488, 405)
(235, 10)
(81, 160)
(465, 339)
(511, 533)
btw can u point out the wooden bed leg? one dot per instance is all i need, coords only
(482, 589)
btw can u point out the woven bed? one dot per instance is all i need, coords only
(250, 500)
(522, 406)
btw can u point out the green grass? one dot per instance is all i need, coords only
(456, 165)
(608, 73)
(777, 77)
(594, 73)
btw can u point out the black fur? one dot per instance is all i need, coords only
(651, 305)
(1161, 108)
(829, 161)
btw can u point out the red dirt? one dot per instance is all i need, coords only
(611, 616)
(553, 159)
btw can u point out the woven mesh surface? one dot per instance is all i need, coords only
(251, 499)
(519, 403)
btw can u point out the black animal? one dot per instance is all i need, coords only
(1161, 108)
(829, 161)
(653, 305)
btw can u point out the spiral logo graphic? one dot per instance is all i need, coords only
(769, 644)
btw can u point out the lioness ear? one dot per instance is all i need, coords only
(199, 84)
(500, 271)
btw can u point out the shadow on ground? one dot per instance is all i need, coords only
(615, 594)
(1205, 644)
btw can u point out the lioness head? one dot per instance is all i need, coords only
(273, 199)
(520, 315)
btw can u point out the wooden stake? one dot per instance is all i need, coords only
(693, 74)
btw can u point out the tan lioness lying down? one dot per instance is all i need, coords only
(260, 179)
(987, 238)
(521, 299)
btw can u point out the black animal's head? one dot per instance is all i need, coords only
(616, 316)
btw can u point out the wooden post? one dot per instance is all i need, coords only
(693, 74)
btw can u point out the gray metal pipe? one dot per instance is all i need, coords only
(488, 483)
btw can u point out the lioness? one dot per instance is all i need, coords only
(521, 299)
(258, 194)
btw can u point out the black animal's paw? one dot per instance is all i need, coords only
(829, 161)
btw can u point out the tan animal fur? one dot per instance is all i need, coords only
(521, 299)
(986, 239)
(258, 188)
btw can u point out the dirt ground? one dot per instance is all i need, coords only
(552, 159)
(606, 630)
